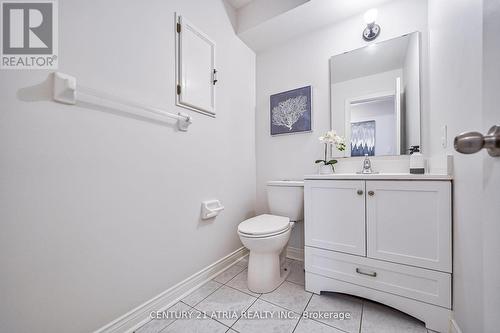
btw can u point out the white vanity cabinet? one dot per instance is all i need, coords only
(389, 240)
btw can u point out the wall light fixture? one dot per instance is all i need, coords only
(372, 30)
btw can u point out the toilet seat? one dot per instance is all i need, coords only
(264, 225)
(262, 236)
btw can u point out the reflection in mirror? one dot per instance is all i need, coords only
(375, 97)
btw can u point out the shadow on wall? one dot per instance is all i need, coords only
(44, 92)
(38, 92)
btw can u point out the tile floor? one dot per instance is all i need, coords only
(227, 293)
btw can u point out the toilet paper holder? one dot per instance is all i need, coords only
(210, 209)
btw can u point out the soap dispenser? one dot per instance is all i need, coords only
(417, 162)
(367, 166)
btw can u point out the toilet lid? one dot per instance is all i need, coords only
(264, 224)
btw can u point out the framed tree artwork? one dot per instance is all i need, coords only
(291, 111)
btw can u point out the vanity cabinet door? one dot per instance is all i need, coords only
(335, 215)
(409, 222)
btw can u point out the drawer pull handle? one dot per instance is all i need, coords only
(372, 274)
(371, 193)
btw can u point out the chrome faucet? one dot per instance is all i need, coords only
(367, 165)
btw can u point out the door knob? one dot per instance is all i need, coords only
(360, 192)
(371, 193)
(472, 142)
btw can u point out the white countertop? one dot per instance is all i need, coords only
(381, 176)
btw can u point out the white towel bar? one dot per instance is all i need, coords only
(65, 91)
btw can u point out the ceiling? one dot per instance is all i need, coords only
(309, 16)
(237, 4)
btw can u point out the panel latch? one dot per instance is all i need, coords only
(214, 77)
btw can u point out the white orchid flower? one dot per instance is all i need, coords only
(332, 134)
(331, 137)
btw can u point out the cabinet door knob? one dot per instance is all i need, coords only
(360, 192)
(371, 193)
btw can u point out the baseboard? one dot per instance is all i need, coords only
(295, 253)
(140, 315)
(454, 328)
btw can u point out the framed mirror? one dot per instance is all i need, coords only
(375, 97)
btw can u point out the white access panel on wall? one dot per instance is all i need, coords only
(195, 68)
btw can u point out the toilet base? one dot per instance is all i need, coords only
(267, 255)
(266, 271)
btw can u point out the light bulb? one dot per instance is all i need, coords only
(371, 16)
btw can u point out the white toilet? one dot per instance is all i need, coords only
(267, 235)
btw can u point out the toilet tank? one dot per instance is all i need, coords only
(286, 198)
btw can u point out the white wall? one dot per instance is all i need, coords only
(455, 101)
(100, 212)
(305, 61)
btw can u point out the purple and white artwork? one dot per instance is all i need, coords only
(291, 111)
(363, 138)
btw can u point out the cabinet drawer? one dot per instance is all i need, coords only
(417, 283)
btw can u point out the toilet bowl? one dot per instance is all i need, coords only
(267, 235)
